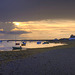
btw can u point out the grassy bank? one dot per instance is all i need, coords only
(6, 56)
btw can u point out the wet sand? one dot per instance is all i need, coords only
(53, 62)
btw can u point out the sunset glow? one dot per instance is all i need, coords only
(42, 29)
(1, 29)
(46, 28)
(16, 23)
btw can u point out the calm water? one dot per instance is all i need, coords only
(7, 46)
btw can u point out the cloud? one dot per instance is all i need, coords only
(14, 32)
(28, 10)
(6, 26)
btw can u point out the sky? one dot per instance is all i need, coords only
(37, 19)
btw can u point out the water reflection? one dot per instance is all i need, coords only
(7, 46)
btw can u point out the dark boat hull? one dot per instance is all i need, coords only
(16, 48)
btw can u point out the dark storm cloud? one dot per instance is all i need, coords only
(13, 32)
(25, 10)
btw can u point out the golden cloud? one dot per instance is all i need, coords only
(46, 28)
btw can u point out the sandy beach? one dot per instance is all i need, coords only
(53, 62)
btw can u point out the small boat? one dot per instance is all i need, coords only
(39, 42)
(17, 48)
(23, 44)
(46, 42)
(0, 41)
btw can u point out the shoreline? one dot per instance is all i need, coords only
(6, 56)
(48, 61)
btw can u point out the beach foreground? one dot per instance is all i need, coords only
(52, 62)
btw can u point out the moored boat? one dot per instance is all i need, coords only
(17, 48)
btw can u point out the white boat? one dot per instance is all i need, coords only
(19, 46)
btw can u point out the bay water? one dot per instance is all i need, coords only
(7, 46)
